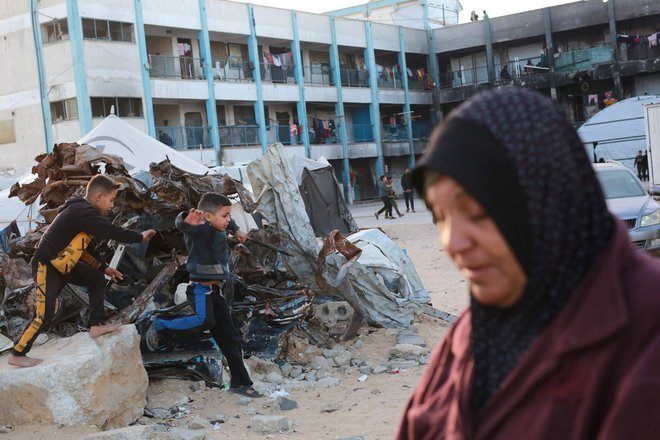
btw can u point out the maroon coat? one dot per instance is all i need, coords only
(594, 372)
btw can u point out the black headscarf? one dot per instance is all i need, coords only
(517, 154)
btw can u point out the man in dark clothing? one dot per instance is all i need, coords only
(208, 264)
(645, 166)
(66, 255)
(384, 197)
(406, 184)
(639, 164)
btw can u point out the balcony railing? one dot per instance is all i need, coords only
(398, 133)
(161, 66)
(192, 137)
(185, 137)
(277, 74)
(354, 77)
(232, 69)
(320, 75)
(389, 83)
(360, 133)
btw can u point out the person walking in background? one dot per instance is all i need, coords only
(645, 166)
(407, 186)
(562, 336)
(384, 197)
(639, 164)
(391, 194)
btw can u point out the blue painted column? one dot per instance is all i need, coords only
(141, 38)
(339, 110)
(490, 60)
(41, 71)
(207, 62)
(76, 40)
(406, 106)
(374, 109)
(253, 49)
(434, 68)
(298, 73)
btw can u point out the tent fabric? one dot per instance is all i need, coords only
(324, 203)
(618, 129)
(137, 149)
(378, 282)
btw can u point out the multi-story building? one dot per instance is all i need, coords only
(220, 80)
(217, 76)
(584, 54)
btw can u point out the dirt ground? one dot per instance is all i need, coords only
(371, 408)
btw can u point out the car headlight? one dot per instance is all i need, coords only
(651, 219)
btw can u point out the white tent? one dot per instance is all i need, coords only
(618, 130)
(138, 149)
(111, 136)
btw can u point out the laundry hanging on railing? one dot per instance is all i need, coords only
(651, 40)
(324, 129)
(284, 60)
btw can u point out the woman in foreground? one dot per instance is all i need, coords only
(562, 337)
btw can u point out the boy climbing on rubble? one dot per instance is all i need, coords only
(208, 257)
(66, 255)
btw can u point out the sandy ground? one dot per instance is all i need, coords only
(371, 408)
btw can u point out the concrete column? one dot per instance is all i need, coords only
(406, 106)
(255, 58)
(41, 73)
(370, 58)
(79, 75)
(207, 63)
(490, 59)
(141, 39)
(298, 73)
(550, 52)
(616, 67)
(434, 68)
(339, 109)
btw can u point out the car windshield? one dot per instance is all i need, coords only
(619, 183)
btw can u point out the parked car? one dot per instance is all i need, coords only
(629, 200)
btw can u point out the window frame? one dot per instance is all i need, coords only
(65, 107)
(126, 30)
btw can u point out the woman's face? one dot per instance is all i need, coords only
(472, 239)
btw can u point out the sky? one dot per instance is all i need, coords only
(494, 9)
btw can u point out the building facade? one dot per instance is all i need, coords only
(585, 54)
(220, 80)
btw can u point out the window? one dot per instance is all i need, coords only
(65, 110)
(124, 107)
(94, 29)
(57, 30)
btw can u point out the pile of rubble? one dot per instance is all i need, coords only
(288, 277)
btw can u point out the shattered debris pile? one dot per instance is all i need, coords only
(303, 285)
(265, 293)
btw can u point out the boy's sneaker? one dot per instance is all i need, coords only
(376, 214)
(401, 215)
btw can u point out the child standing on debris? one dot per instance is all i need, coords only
(208, 257)
(65, 255)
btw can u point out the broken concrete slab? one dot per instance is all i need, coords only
(285, 404)
(408, 352)
(199, 423)
(261, 366)
(269, 424)
(410, 336)
(402, 364)
(329, 382)
(82, 381)
(340, 357)
(137, 432)
(330, 407)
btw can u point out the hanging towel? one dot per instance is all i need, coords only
(410, 74)
(277, 61)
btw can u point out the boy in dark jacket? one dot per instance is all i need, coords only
(66, 255)
(208, 257)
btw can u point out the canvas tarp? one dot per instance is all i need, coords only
(377, 281)
(618, 130)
